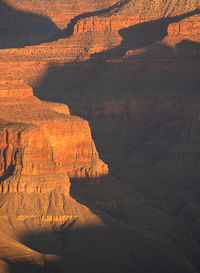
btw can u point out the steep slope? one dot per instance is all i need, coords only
(96, 34)
(30, 128)
(41, 224)
(60, 11)
(140, 93)
(156, 9)
(40, 145)
(34, 174)
(139, 89)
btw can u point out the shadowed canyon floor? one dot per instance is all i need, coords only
(137, 82)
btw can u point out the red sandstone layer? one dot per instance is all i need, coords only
(60, 12)
(15, 89)
(40, 143)
(91, 35)
(187, 26)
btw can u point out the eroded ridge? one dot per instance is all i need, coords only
(42, 144)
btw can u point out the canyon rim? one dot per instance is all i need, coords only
(99, 136)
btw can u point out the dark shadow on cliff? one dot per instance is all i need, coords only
(89, 78)
(70, 28)
(101, 250)
(85, 87)
(141, 35)
(149, 32)
(128, 100)
(120, 136)
(31, 267)
(112, 248)
(31, 29)
(102, 192)
(21, 28)
(8, 173)
(189, 49)
(162, 107)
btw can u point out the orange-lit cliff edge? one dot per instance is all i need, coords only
(97, 34)
(41, 143)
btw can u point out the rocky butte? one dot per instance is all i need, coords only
(43, 227)
(40, 140)
(41, 147)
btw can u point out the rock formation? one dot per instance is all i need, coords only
(58, 11)
(133, 71)
(97, 33)
(40, 141)
(41, 146)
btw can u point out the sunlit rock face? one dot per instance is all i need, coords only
(42, 146)
(41, 143)
(156, 8)
(15, 89)
(169, 22)
(189, 26)
(26, 160)
(60, 12)
(88, 36)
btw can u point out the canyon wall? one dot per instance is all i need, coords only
(41, 143)
(188, 26)
(96, 35)
(136, 78)
(58, 11)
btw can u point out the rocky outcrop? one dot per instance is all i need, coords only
(15, 89)
(26, 160)
(137, 119)
(41, 144)
(96, 34)
(60, 12)
(188, 26)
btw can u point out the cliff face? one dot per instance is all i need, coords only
(26, 161)
(41, 146)
(59, 11)
(96, 34)
(134, 73)
(15, 89)
(188, 26)
(41, 143)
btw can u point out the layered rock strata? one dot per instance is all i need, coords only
(92, 35)
(59, 11)
(115, 23)
(41, 144)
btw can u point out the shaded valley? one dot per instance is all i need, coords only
(135, 78)
(145, 133)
